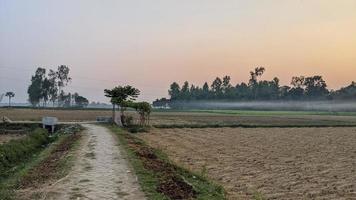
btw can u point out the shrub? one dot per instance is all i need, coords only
(16, 151)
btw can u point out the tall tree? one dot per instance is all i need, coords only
(205, 91)
(63, 77)
(253, 82)
(35, 89)
(174, 91)
(315, 87)
(10, 95)
(216, 87)
(53, 89)
(185, 93)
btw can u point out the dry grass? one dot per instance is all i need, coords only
(7, 137)
(290, 163)
(62, 115)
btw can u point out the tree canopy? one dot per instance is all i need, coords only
(301, 88)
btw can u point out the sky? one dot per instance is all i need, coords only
(150, 44)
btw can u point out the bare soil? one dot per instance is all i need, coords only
(288, 163)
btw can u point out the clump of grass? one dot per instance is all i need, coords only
(16, 151)
(137, 129)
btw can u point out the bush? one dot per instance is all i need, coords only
(138, 129)
(16, 151)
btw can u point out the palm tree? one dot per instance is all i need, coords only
(10, 95)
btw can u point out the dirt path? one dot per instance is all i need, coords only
(101, 171)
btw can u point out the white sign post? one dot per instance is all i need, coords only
(49, 121)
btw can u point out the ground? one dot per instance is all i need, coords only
(287, 163)
(273, 163)
(100, 171)
(7, 137)
(194, 117)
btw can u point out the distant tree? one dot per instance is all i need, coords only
(255, 74)
(227, 89)
(185, 93)
(35, 89)
(62, 77)
(65, 99)
(253, 83)
(205, 91)
(163, 102)
(315, 87)
(44, 88)
(53, 89)
(45, 91)
(348, 92)
(10, 95)
(80, 101)
(216, 87)
(174, 91)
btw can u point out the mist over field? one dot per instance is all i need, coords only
(331, 106)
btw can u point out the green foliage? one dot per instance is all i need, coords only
(301, 88)
(120, 94)
(15, 151)
(124, 97)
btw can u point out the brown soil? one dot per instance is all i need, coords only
(170, 183)
(48, 168)
(289, 163)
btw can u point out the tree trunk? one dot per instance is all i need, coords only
(9, 102)
(113, 113)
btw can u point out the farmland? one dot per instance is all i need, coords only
(196, 117)
(274, 163)
(272, 155)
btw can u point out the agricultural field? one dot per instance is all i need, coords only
(27, 114)
(270, 163)
(196, 117)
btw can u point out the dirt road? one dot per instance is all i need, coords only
(101, 171)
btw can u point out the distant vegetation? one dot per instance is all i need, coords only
(301, 89)
(49, 88)
(10, 95)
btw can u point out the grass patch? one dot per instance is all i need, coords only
(54, 166)
(23, 171)
(159, 178)
(18, 151)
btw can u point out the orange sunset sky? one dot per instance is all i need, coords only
(150, 44)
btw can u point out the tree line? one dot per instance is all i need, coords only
(49, 88)
(301, 88)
